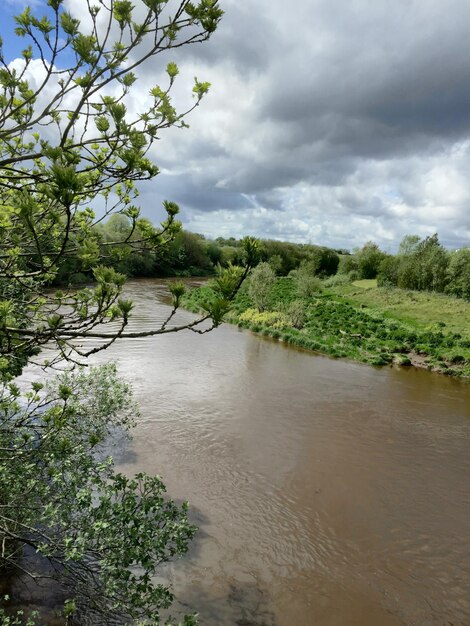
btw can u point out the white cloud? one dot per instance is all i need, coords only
(334, 123)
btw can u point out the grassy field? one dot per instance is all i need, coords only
(420, 309)
(369, 283)
(363, 322)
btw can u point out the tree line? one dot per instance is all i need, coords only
(123, 245)
(425, 265)
(420, 264)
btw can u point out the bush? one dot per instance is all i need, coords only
(296, 313)
(273, 319)
(402, 359)
(260, 282)
(306, 282)
(337, 281)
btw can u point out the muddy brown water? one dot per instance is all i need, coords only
(327, 492)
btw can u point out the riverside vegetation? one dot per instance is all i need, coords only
(355, 320)
(409, 309)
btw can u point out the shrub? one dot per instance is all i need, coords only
(401, 359)
(260, 282)
(272, 319)
(337, 281)
(296, 313)
(306, 282)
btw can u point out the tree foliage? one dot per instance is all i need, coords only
(68, 139)
(260, 282)
(69, 142)
(458, 273)
(369, 258)
(286, 256)
(108, 532)
(306, 280)
(419, 264)
(364, 263)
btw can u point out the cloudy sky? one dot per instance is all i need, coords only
(331, 122)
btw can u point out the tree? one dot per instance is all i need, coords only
(325, 260)
(259, 285)
(68, 139)
(433, 260)
(91, 147)
(369, 258)
(275, 262)
(409, 245)
(348, 264)
(422, 264)
(306, 281)
(388, 272)
(458, 273)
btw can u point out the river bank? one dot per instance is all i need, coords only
(360, 322)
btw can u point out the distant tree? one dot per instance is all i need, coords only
(432, 261)
(409, 245)
(260, 282)
(306, 280)
(326, 260)
(118, 227)
(193, 251)
(369, 258)
(419, 264)
(388, 272)
(348, 264)
(458, 273)
(214, 253)
(230, 255)
(276, 263)
(286, 256)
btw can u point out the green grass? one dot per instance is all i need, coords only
(419, 309)
(369, 283)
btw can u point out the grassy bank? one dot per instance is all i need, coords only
(362, 322)
(418, 309)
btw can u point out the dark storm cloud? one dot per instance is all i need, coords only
(331, 119)
(382, 83)
(188, 194)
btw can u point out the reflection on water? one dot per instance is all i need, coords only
(328, 493)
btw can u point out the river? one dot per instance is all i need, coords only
(328, 493)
